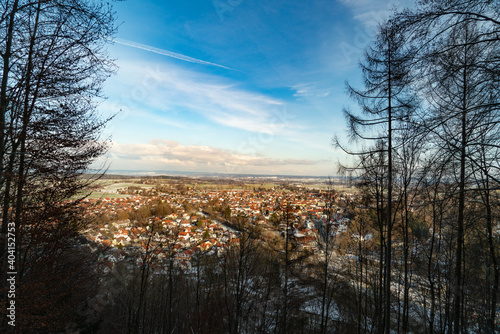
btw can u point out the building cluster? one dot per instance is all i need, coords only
(199, 223)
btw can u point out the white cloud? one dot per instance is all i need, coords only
(170, 89)
(165, 154)
(373, 12)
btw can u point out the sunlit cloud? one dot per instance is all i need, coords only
(164, 154)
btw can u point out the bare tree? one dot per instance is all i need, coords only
(462, 99)
(384, 102)
(54, 64)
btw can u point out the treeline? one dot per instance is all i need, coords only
(427, 151)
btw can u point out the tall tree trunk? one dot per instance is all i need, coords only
(388, 253)
(26, 119)
(458, 288)
(6, 57)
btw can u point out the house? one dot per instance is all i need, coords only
(205, 245)
(186, 255)
(184, 235)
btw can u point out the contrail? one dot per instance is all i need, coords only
(167, 53)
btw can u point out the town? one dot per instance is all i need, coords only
(173, 220)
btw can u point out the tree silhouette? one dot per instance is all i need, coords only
(54, 64)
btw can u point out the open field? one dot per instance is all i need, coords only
(98, 194)
(246, 186)
(113, 188)
(337, 187)
(109, 188)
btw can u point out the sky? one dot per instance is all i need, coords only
(235, 86)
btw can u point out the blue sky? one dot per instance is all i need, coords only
(234, 86)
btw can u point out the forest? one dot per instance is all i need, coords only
(422, 149)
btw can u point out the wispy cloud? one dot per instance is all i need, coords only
(168, 89)
(309, 90)
(373, 12)
(167, 53)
